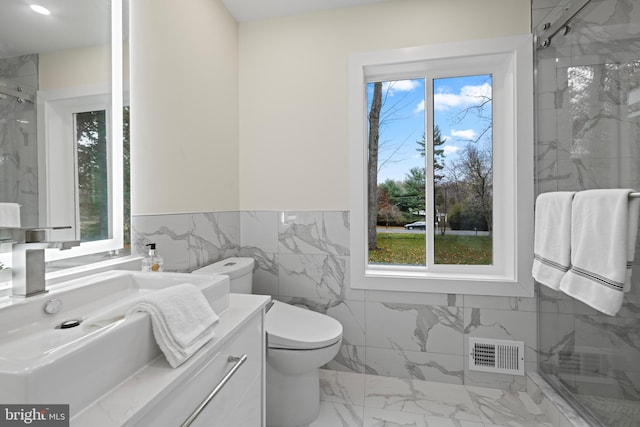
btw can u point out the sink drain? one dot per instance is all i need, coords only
(67, 324)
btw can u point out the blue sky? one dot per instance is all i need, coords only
(403, 120)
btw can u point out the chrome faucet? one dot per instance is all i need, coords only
(28, 271)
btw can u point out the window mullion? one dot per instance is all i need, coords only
(429, 172)
(76, 178)
(111, 170)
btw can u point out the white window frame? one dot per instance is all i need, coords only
(510, 61)
(60, 199)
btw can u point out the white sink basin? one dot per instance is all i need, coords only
(41, 363)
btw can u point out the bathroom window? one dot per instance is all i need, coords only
(87, 163)
(431, 193)
(441, 159)
(93, 173)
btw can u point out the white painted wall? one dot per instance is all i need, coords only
(293, 89)
(254, 116)
(184, 107)
(90, 66)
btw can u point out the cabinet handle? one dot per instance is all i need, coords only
(238, 362)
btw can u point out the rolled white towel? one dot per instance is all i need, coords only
(181, 318)
(9, 215)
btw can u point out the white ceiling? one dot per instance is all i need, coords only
(80, 23)
(72, 24)
(252, 10)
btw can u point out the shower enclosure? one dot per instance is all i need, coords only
(18, 148)
(588, 136)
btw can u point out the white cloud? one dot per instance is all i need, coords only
(450, 149)
(399, 86)
(469, 134)
(405, 85)
(419, 108)
(469, 95)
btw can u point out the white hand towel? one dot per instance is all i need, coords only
(9, 215)
(632, 228)
(600, 247)
(552, 238)
(182, 320)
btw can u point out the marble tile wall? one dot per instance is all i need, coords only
(187, 241)
(18, 147)
(586, 139)
(303, 258)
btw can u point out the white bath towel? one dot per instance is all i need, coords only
(552, 237)
(9, 215)
(182, 320)
(634, 213)
(601, 244)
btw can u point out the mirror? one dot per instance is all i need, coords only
(44, 60)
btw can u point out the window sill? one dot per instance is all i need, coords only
(492, 285)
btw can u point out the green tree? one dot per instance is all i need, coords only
(394, 189)
(438, 152)
(91, 137)
(414, 195)
(92, 163)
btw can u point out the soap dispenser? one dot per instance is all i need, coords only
(154, 261)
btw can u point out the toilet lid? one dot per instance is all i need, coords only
(293, 327)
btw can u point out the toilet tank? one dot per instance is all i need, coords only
(239, 270)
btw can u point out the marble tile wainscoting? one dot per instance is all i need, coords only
(187, 241)
(303, 258)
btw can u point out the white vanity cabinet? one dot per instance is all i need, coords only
(160, 396)
(238, 402)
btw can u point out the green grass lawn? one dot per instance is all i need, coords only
(449, 249)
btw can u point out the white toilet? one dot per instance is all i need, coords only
(299, 341)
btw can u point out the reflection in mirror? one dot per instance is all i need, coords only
(68, 62)
(71, 25)
(18, 149)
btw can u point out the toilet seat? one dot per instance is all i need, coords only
(294, 328)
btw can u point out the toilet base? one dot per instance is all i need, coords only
(292, 400)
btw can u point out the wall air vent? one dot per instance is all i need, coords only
(502, 357)
(588, 364)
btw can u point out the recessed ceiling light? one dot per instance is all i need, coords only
(40, 9)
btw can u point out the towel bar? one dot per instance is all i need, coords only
(238, 362)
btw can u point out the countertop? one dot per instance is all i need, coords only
(128, 402)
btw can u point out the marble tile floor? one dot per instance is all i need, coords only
(359, 400)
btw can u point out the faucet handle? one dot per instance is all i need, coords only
(38, 235)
